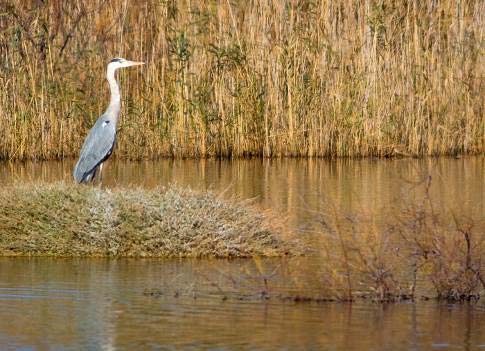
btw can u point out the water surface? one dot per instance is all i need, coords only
(52, 304)
(297, 188)
(71, 304)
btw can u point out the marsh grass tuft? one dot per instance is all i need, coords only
(62, 219)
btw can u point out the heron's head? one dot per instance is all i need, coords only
(119, 62)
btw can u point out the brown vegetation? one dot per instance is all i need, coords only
(69, 220)
(239, 78)
(418, 253)
(417, 250)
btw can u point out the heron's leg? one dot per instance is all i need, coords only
(100, 173)
(92, 177)
(100, 170)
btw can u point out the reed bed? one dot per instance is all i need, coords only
(62, 219)
(242, 78)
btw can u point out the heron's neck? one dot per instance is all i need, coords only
(113, 110)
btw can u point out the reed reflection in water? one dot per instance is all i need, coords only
(297, 188)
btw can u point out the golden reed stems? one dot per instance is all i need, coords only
(241, 78)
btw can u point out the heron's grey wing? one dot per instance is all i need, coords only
(96, 148)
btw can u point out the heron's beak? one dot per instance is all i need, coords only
(135, 63)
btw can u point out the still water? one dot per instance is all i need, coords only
(153, 304)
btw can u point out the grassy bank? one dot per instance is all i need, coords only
(67, 220)
(232, 78)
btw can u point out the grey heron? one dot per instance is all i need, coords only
(100, 141)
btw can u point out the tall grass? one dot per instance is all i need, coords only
(241, 78)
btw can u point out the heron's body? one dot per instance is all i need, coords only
(100, 141)
(97, 147)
